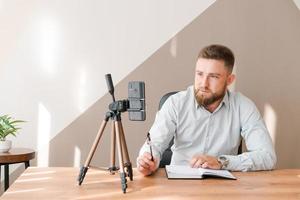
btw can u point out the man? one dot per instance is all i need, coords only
(207, 122)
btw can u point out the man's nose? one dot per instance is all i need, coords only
(204, 82)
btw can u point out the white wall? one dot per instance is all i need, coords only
(54, 55)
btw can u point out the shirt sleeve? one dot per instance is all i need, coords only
(162, 130)
(260, 153)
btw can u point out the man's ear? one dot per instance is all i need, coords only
(230, 79)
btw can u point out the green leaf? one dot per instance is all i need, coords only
(8, 126)
(16, 121)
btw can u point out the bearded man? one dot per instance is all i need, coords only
(207, 122)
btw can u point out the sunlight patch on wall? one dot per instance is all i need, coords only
(43, 137)
(271, 120)
(77, 156)
(297, 2)
(48, 41)
(173, 47)
(233, 85)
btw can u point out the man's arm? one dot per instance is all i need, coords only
(261, 154)
(162, 131)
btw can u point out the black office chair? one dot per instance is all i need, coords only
(167, 155)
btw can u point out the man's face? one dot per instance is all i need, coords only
(211, 81)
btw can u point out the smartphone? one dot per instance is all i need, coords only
(136, 98)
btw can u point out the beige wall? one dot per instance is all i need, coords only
(265, 38)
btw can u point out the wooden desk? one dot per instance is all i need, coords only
(60, 183)
(15, 155)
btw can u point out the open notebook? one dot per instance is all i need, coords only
(186, 172)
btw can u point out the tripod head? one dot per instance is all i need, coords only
(119, 106)
(135, 104)
(110, 85)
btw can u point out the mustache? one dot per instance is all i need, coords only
(202, 90)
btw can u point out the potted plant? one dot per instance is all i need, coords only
(8, 126)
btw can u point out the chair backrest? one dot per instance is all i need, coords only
(167, 155)
(164, 98)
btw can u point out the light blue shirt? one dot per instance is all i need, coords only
(197, 131)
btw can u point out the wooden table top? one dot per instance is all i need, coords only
(61, 183)
(16, 155)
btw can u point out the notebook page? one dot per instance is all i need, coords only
(182, 169)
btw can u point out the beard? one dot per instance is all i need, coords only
(207, 97)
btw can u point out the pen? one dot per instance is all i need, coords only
(149, 143)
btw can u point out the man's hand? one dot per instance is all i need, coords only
(145, 165)
(205, 161)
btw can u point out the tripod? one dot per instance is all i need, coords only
(117, 136)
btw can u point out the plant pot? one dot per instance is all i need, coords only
(5, 146)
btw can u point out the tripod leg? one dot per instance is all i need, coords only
(113, 167)
(84, 168)
(127, 163)
(120, 153)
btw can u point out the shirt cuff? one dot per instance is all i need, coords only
(238, 163)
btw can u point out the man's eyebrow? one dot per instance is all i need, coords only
(211, 74)
(214, 74)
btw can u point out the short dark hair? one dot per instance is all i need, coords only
(218, 52)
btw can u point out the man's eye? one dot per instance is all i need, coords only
(216, 77)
